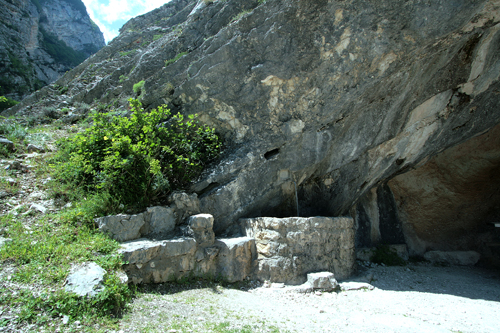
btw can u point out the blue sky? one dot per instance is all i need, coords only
(110, 15)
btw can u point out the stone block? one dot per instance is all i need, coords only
(461, 258)
(200, 227)
(150, 261)
(289, 248)
(350, 286)
(121, 227)
(236, 257)
(160, 220)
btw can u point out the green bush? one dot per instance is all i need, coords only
(139, 160)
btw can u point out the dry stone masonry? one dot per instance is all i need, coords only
(288, 248)
(275, 250)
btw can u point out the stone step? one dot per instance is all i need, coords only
(149, 261)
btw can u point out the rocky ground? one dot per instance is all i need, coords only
(414, 298)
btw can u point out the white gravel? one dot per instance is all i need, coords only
(414, 298)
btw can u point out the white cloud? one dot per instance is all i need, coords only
(110, 15)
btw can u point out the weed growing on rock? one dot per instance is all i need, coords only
(138, 87)
(140, 159)
(177, 57)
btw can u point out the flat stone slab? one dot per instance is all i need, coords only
(143, 250)
(86, 279)
(350, 286)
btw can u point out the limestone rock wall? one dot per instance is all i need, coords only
(334, 97)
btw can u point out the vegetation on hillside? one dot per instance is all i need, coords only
(112, 163)
(136, 160)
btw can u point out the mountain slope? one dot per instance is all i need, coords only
(40, 40)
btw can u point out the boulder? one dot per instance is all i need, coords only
(236, 258)
(462, 258)
(323, 280)
(149, 261)
(86, 279)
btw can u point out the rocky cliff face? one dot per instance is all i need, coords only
(40, 40)
(335, 98)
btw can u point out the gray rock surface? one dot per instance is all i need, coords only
(462, 258)
(160, 220)
(289, 248)
(86, 279)
(236, 258)
(151, 261)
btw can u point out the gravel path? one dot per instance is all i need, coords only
(415, 298)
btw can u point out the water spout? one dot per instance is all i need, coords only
(296, 199)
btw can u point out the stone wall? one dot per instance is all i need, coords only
(277, 250)
(152, 261)
(289, 248)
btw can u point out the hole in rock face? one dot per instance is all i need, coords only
(272, 153)
(208, 189)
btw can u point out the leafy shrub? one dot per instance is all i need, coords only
(138, 159)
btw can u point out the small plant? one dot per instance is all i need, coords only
(384, 254)
(138, 87)
(140, 159)
(240, 15)
(177, 57)
(12, 130)
(126, 53)
(156, 37)
(123, 78)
